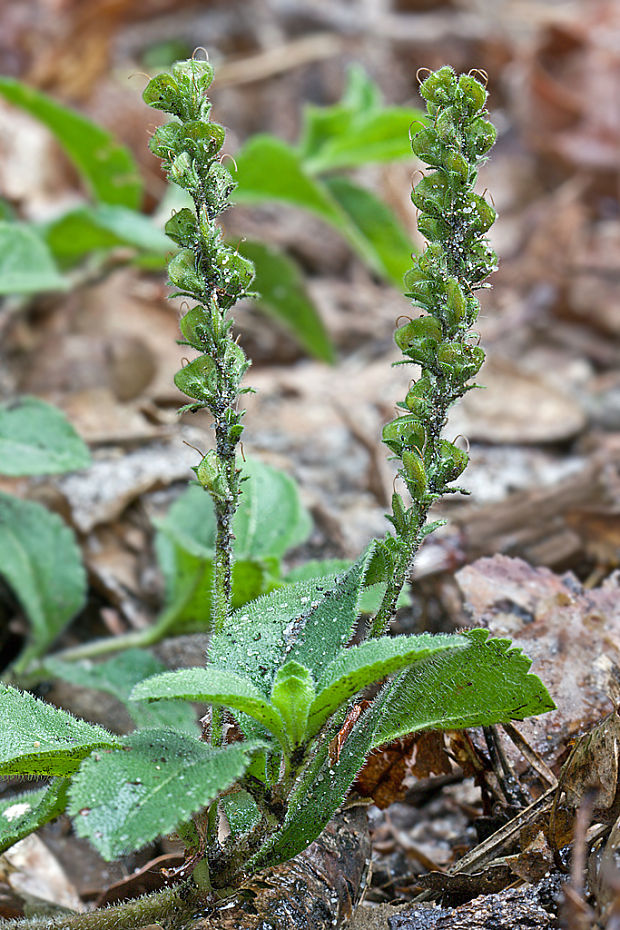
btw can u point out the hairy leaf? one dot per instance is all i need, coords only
(485, 683)
(359, 666)
(388, 247)
(283, 295)
(309, 622)
(26, 264)
(292, 694)
(117, 676)
(213, 686)
(40, 560)
(37, 439)
(108, 168)
(124, 799)
(38, 739)
(24, 813)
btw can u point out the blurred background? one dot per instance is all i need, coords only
(86, 324)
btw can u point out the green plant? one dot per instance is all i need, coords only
(282, 667)
(359, 129)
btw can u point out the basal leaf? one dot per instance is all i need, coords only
(39, 739)
(269, 169)
(40, 560)
(388, 246)
(213, 686)
(108, 168)
(124, 799)
(24, 813)
(104, 226)
(37, 439)
(283, 295)
(370, 661)
(486, 682)
(117, 676)
(26, 263)
(292, 694)
(309, 621)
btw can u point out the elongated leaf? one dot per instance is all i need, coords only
(361, 665)
(382, 135)
(269, 169)
(283, 295)
(213, 686)
(117, 676)
(40, 560)
(388, 246)
(104, 226)
(293, 693)
(24, 813)
(26, 263)
(371, 596)
(38, 739)
(125, 799)
(108, 168)
(37, 439)
(485, 683)
(309, 622)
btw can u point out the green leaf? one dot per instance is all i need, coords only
(38, 739)
(107, 168)
(104, 226)
(213, 686)
(381, 135)
(241, 812)
(321, 124)
(292, 694)
(371, 596)
(388, 246)
(117, 676)
(309, 621)
(485, 682)
(37, 439)
(40, 560)
(26, 264)
(125, 799)
(269, 169)
(22, 814)
(370, 661)
(284, 297)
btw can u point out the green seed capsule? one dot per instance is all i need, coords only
(456, 303)
(195, 327)
(433, 228)
(433, 194)
(459, 361)
(182, 227)
(198, 379)
(419, 339)
(470, 95)
(202, 140)
(447, 125)
(418, 399)
(162, 93)
(426, 144)
(483, 215)
(452, 462)
(480, 137)
(439, 87)
(414, 473)
(165, 141)
(182, 272)
(404, 433)
(193, 75)
(456, 165)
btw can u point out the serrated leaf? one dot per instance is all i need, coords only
(283, 296)
(309, 622)
(484, 683)
(37, 439)
(213, 686)
(104, 226)
(124, 799)
(38, 739)
(40, 560)
(107, 167)
(370, 661)
(388, 247)
(26, 263)
(117, 676)
(24, 813)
